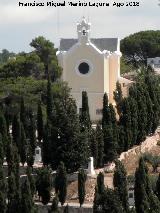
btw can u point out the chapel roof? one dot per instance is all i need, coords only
(110, 44)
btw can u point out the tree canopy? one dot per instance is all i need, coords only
(137, 47)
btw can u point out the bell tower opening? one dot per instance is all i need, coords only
(83, 30)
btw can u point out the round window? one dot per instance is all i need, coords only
(83, 68)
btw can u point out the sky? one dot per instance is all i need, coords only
(19, 25)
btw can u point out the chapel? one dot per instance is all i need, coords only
(91, 65)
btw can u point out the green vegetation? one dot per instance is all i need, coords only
(61, 183)
(82, 177)
(137, 47)
(120, 184)
(145, 199)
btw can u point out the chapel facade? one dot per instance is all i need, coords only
(91, 65)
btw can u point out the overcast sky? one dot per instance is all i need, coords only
(19, 25)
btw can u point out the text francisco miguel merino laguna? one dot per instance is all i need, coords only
(78, 3)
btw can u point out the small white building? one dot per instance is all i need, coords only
(155, 64)
(91, 65)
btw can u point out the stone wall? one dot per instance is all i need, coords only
(72, 209)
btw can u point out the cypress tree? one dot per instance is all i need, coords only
(1, 150)
(114, 124)
(46, 145)
(81, 186)
(134, 119)
(106, 116)
(140, 184)
(120, 184)
(54, 207)
(158, 187)
(107, 202)
(125, 121)
(66, 209)
(43, 185)
(10, 157)
(3, 191)
(27, 204)
(16, 132)
(145, 199)
(100, 142)
(23, 146)
(32, 140)
(16, 167)
(23, 115)
(31, 180)
(49, 99)
(61, 183)
(13, 195)
(121, 139)
(85, 116)
(110, 144)
(39, 122)
(118, 97)
(94, 147)
(3, 125)
(3, 130)
(142, 116)
(100, 183)
(30, 156)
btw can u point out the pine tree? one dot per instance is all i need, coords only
(3, 191)
(27, 204)
(85, 116)
(81, 186)
(39, 122)
(120, 184)
(54, 207)
(100, 142)
(100, 183)
(61, 183)
(49, 99)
